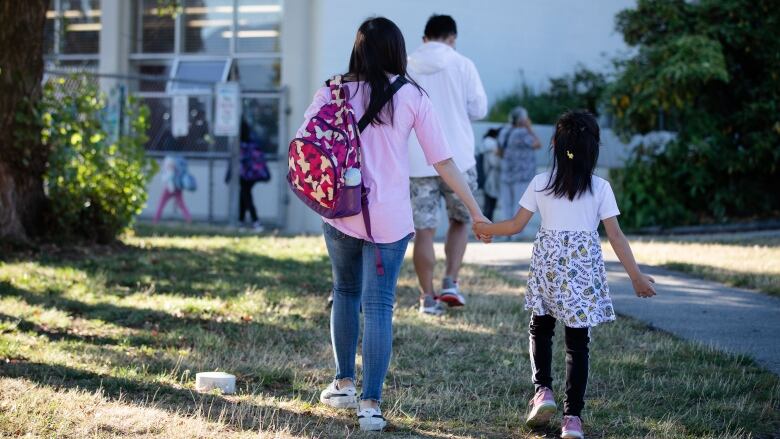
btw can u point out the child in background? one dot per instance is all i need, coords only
(567, 279)
(174, 171)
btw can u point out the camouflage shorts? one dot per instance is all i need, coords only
(426, 193)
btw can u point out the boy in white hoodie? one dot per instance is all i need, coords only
(455, 89)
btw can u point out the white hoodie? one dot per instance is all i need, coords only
(452, 82)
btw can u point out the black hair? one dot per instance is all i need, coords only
(379, 50)
(575, 147)
(492, 132)
(440, 26)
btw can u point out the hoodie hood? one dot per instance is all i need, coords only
(430, 58)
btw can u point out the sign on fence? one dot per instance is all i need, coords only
(227, 118)
(180, 123)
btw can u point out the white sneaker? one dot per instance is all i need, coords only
(257, 227)
(431, 306)
(340, 398)
(371, 419)
(450, 294)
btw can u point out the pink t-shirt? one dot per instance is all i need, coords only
(385, 166)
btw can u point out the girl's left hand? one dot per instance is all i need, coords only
(643, 286)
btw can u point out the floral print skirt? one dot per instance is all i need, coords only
(568, 280)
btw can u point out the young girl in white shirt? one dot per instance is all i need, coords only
(567, 280)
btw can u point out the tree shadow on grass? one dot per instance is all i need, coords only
(143, 318)
(223, 272)
(242, 414)
(60, 334)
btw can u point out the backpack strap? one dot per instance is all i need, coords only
(389, 93)
(337, 90)
(362, 124)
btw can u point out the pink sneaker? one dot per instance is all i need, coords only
(571, 428)
(542, 408)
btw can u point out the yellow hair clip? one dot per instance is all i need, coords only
(570, 154)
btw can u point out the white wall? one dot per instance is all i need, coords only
(541, 38)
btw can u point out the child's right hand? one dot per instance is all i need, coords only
(643, 286)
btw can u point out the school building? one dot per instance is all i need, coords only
(279, 52)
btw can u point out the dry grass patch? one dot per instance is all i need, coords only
(105, 343)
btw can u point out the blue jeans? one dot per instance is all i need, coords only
(356, 283)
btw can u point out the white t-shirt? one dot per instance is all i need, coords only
(582, 214)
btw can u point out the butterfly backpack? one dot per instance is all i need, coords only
(322, 162)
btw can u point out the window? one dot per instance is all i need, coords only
(260, 122)
(206, 42)
(72, 30)
(155, 28)
(258, 26)
(257, 74)
(153, 75)
(80, 26)
(207, 26)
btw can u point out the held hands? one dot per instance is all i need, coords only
(479, 227)
(643, 286)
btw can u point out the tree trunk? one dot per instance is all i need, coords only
(23, 204)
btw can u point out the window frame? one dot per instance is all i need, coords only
(57, 54)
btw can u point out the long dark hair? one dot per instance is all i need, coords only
(575, 153)
(379, 50)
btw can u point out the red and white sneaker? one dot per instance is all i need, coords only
(571, 428)
(450, 294)
(542, 408)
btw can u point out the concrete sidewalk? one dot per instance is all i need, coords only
(729, 319)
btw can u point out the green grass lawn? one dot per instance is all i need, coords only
(105, 342)
(748, 260)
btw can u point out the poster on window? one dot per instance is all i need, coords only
(180, 125)
(227, 117)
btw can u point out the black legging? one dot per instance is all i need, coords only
(490, 207)
(245, 201)
(542, 329)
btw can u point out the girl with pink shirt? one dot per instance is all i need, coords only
(378, 59)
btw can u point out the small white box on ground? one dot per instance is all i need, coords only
(207, 381)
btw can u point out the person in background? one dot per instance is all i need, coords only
(567, 280)
(174, 174)
(491, 169)
(517, 144)
(452, 82)
(253, 169)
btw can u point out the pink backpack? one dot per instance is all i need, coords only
(329, 147)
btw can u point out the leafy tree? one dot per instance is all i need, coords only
(71, 180)
(582, 89)
(23, 204)
(708, 70)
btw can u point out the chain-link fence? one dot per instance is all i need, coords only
(210, 156)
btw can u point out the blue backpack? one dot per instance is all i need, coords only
(183, 180)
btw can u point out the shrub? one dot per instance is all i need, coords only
(708, 70)
(581, 89)
(96, 184)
